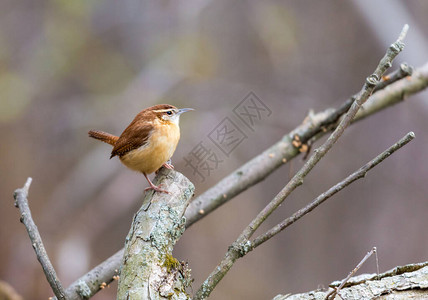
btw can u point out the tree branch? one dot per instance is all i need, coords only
(404, 282)
(21, 202)
(148, 269)
(283, 151)
(361, 173)
(336, 290)
(271, 159)
(89, 284)
(242, 244)
(395, 93)
(404, 71)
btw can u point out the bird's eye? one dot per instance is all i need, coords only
(169, 112)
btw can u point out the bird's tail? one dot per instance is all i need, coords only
(103, 136)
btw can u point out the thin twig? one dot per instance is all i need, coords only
(21, 202)
(404, 71)
(330, 122)
(361, 173)
(242, 245)
(395, 93)
(336, 291)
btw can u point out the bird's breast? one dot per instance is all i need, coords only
(159, 149)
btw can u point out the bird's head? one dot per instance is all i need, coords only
(169, 113)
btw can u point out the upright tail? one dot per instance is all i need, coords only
(103, 136)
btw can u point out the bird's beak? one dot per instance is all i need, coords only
(182, 110)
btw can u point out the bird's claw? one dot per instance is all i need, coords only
(168, 166)
(156, 189)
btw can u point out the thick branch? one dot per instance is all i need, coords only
(148, 269)
(242, 244)
(361, 173)
(21, 202)
(405, 282)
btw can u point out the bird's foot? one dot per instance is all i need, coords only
(156, 189)
(168, 165)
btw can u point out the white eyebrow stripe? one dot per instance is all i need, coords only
(163, 110)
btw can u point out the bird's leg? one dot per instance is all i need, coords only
(168, 165)
(154, 187)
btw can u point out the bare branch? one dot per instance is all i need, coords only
(361, 173)
(396, 271)
(148, 269)
(297, 180)
(89, 284)
(21, 202)
(404, 282)
(267, 162)
(242, 245)
(395, 93)
(283, 151)
(336, 291)
(404, 71)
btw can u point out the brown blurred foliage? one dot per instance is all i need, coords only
(70, 66)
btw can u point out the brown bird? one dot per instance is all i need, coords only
(149, 142)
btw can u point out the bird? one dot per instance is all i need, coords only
(149, 141)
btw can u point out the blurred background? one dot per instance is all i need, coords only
(70, 66)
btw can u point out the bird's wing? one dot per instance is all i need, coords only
(132, 138)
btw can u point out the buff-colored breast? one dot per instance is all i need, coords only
(159, 149)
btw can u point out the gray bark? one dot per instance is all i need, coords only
(406, 282)
(149, 271)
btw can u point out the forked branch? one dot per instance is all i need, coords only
(242, 245)
(360, 173)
